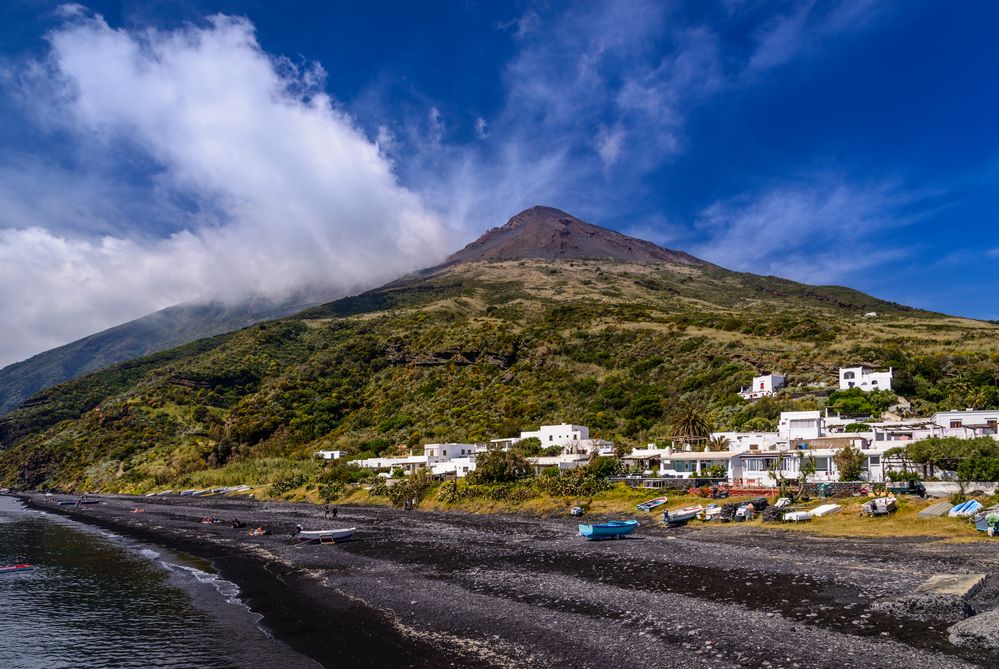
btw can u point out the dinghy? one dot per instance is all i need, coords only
(825, 510)
(651, 504)
(614, 529)
(76, 502)
(682, 516)
(879, 506)
(17, 569)
(325, 536)
(797, 516)
(782, 502)
(966, 509)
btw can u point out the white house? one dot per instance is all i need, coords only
(744, 441)
(967, 423)
(330, 455)
(864, 378)
(562, 462)
(763, 386)
(572, 438)
(800, 425)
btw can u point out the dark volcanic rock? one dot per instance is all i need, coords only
(552, 234)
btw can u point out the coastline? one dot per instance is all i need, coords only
(282, 595)
(435, 589)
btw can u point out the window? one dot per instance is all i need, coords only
(851, 384)
(849, 375)
(761, 385)
(550, 437)
(874, 383)
(874, 460)
(822, 464)
(955, 423)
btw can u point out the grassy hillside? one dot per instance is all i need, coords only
(484, 350)
(159, 331)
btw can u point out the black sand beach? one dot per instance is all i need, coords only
(456, 590)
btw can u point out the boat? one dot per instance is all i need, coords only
(17, 569)
(681, 516)
(879, 506)
(711, 512)
(987, 521)
(576, 511)
(651, 504)
(75, 502)
(325, 536)
(187, 493)
(614, 529)
(782, 502)
(825, 510)
(966, 509)
(797, 516)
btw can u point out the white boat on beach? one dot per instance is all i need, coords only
(797, 516)
(325, 536)
(825, 510)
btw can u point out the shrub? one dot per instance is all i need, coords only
(331, 491)
(499, 467)
(714, 472)
(288, 483)
(857, 427)
(850, 462)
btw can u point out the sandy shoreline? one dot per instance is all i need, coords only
(436, 589)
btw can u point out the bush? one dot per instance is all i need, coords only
(451, 492)
(850, 462)
(499, 467)
(331, 491)
(857, 427)
(288, 483)
(714, 472)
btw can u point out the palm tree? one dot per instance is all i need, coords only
(719, 443)
(687, 424)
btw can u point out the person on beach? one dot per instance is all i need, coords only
(334, 513)
(326, 511)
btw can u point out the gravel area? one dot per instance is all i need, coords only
(454, 590)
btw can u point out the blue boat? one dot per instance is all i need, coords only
(614, 529)
(17, 569)
(966, 509)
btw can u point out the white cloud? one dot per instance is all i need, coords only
(610, 144)
(283, 191)
(819, 232)
(481, 128)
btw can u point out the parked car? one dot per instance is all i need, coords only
(911, 487)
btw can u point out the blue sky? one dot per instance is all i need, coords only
(153, 153)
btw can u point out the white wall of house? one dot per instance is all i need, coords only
(448, 451)
(864, 378)
(967, 423)
(799, 425)
(329, 455)
(763, 386)
(562, 434)
(744, 441)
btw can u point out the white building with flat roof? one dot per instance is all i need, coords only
(330, 455)
(864, 378)
(799, 425)
(763, 386)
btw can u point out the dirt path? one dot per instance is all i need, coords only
(435, 589)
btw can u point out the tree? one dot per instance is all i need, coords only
(714, 472)
(528, 447)
(806, 470)
(498, 466)
(687, 424)
(719, 443)
(760, 424)
(850, 463)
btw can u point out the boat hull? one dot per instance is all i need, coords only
(965, 509)
(651, 504)
(17, 569)
(326, 536)
(611, 530)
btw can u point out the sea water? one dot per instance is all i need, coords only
(99, 600)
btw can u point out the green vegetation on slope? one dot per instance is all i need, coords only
(480, 351)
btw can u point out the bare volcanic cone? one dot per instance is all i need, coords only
(551, 234)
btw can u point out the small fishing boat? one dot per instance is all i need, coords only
(682, 516)
(782, 502)
(651, 504)
(614, 529)
(879, 506)
(576, 511)
(825, 510)
(187, 493)
(325, 536)
(75, 502)
(711, 512)
(17, 569)
(966, 509)
(797, 516)
(987, 521)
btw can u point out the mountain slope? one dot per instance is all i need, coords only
(158, 331)
(474, 350)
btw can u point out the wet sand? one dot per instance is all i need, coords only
(458, 590)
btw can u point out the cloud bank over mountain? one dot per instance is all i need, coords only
(260, 184)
